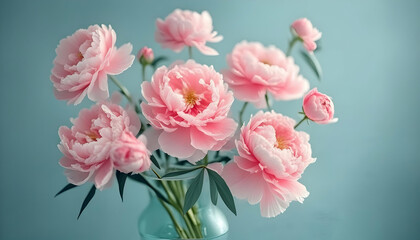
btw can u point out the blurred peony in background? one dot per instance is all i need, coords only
(364, 185)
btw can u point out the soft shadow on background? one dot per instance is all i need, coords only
(364, 185)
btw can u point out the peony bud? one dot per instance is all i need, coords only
(145, 56)
(303, 29)
(318, 107)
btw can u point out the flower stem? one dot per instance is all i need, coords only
(291, 44)
(190, 52)
(301, 121)
(125, 92)
(242, 113)
(143, 73)
(266, 100)
(178, 228)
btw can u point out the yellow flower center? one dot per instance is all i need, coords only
(93, 136)
(281, 143)
(266, 62)
(190, 98)
(80, 56)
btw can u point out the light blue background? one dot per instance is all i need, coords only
(364, 185)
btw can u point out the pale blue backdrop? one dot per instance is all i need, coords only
(364, 185)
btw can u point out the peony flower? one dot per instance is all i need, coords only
(272, 157)
(129, 154)
(186, 28)
(318, 107)
(145, 56)
(100, 141)
(187, 105)
(255, 70)
(306, 32)
(83, 61)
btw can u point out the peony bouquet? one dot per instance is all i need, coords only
(181, 139)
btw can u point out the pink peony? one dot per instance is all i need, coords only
(188, 105)
(83, 61)
(272, 157)
(100, 141)
(146, 54)
(129, 154)
(303, 28)
(318, 107)
(255, 70)
(186, 28)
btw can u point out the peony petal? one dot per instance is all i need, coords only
(120, 60)
(201, 141)
(177, 143)
(103, 175)
(243, 184)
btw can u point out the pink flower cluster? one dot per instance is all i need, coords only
(272, 157)
(255, 70)
(188, 105)
(186, 28)
(102, 140)
(83, 62)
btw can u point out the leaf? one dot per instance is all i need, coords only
(154, 161)
(183, 162)
(213, 191)
(177, 173)
(121, 178)
(88, 197)
(194, 191)
(157, 60)
(223, 189)
(66, 188)
(139, 178)
(313, 63)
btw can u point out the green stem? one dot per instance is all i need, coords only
(206, 160)
(176, 193)
(192, 213)
(125, 92)
(291, 44)
(301, 121)
(178, 228)
(190, 52)
(241, 113)
(143, 73)
(266, 100)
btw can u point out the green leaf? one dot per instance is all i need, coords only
(157, 60)
(139, 178)
(88, 197)
(213, 191)
(183, 162)
(194, 191)
(180, 172)
(66, 188)
(121, 178)
(154, 161)
(223, 189)
(313, 63)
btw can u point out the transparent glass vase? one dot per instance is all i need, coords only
(159, 220)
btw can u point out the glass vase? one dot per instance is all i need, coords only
(161, 220)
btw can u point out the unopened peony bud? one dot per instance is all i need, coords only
(145, 56)
(318, 107)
